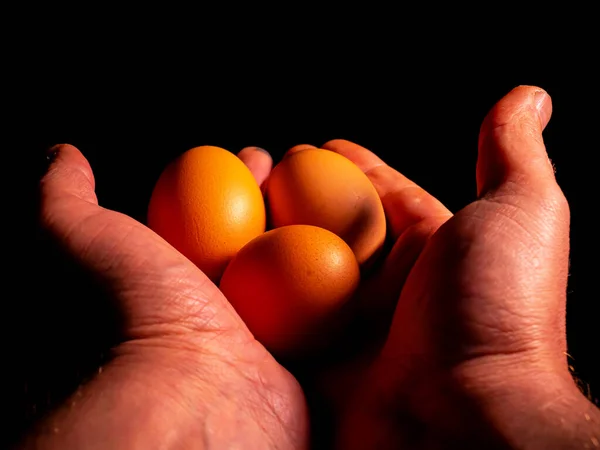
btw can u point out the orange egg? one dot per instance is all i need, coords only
(289, 283)
(323, 188)
(208, 205)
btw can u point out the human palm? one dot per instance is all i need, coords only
(187, 359)
(477, 301)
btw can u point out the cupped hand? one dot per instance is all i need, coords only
(188, 374)
(475, 356)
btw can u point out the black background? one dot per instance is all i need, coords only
(132, 113)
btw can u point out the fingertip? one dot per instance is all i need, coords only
(258, 160)
(337, 143)
(529, 106)
(522, 97)
(55, 150)
(298, 148)
(511, 145)
(51, 153)
(253, 149)
(62, 146)
(363, 158)
(66, 189)
(68, 170)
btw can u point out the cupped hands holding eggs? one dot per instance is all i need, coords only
(451, 336)
(289, 279)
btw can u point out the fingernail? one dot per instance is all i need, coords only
(539, 99)
(51, 154)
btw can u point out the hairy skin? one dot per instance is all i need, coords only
(474, 304)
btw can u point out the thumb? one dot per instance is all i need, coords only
(69, 175)
(512, 156)
(515, 174)
(514, 171)
(157, 289)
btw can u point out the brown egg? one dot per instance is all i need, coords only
(207, 205)
(322, 188)
(289, 284)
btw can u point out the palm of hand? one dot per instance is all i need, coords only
(473, 323)
(179, 330)
(453, 328)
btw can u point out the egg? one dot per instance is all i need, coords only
(289, 284)
(323, 188)
(207, 204)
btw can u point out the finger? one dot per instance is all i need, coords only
(404, 202)
(413, 216)
(299, 148)
(67, 196)
(374, 312)
(69, 211)
(69, 174)
(258, 161)
(511, 148)
(377, 308)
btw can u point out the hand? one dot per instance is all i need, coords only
(188, 374)
(475, 357)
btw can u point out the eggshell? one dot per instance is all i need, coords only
(323, 188)
(288, 284)
(208, 205)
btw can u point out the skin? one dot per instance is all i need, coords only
(473, 305)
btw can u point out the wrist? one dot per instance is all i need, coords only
(163, 398)
(566, 420)
(532, 408)
(127, 405)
